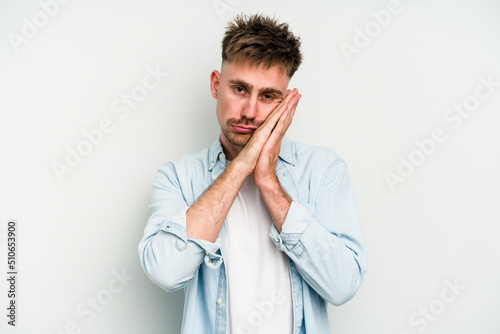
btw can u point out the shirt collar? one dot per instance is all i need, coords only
(215, 152)
(286, 151)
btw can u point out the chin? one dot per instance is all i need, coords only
(240, 139)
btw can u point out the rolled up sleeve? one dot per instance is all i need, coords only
(324, 238)
(167, 256)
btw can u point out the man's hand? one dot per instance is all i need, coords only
(205, 217)
(265, 169)
(261, 152)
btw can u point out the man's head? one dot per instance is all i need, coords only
(259, 57)
(261, 40)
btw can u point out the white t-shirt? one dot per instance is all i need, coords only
(258, 276)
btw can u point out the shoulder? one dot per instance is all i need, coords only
(314, 168)
(314, 156)
(188, 176)
(197, 159)
(188, 161)
(202, 159)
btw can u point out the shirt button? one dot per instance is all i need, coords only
(291, 160)
(220, 155)
(214, 177)
(219, 301)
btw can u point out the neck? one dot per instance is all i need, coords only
(230, 151)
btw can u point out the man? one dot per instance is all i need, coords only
(260, 231)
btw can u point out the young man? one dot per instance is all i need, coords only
(260, 231)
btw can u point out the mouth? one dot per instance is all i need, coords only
(243, 129)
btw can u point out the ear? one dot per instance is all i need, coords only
(214, 83)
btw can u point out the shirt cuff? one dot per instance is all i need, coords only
(177, 225)
(212, 259)
(297, 220)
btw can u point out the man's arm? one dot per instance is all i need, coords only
(205, 218)
(275, 197)
(324, 237)
(188, 236)
(330, 255)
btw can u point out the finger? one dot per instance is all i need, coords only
(290, 94)
(262, 134)
(274, 140)
(291, 104)
(275, 114)
(284, 121)
(272, 120)
(291, 107)
(287, 116)
(280, 127)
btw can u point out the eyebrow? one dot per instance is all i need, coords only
(247, 86)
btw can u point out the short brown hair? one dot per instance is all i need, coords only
(259, 40)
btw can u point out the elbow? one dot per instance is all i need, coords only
(343, 294)
(167, 282)
(341, 297)
(346, 291)
(161, 269)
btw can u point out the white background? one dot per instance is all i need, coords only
(440, 225)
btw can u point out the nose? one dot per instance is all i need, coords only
(250, 108)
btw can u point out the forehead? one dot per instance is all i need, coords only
(257, 76)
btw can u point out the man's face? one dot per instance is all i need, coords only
(245, 95)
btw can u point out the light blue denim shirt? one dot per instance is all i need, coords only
(321, 236)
